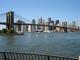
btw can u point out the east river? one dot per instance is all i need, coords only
(54, 43)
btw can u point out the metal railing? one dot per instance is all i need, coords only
(26, 56)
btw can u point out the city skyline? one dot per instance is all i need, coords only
(41, 21)
(41, 25)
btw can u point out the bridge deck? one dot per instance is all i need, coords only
(3, 23)
(44, 25)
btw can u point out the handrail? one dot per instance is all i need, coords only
(27, 56)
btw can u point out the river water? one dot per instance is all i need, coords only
(54, 43)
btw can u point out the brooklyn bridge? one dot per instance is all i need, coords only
(10, 18)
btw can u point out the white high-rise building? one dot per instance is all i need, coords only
(29, 28)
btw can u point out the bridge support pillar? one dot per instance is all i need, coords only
(65, 29)
(29, 28)
(10, 20)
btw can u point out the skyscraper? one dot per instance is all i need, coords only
(40, 21)
(43, 27)
(73, 24)
(57, 22)
(46, 27)
(33, 26)
(50, 22)
(64, 24)
(20, 28)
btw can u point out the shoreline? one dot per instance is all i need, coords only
(12, 34)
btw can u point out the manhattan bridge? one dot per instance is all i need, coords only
(9, 19)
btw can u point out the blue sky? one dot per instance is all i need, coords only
(64, 10)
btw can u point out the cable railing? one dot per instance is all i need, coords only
(27, 56)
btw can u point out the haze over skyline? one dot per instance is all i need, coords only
(64, 10)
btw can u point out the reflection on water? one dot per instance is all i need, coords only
(61, 44)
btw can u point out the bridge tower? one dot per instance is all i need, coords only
(10, 20)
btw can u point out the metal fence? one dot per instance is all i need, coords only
(26, 56)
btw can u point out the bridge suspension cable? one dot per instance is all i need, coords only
(3, 17)
(2, 14)
(18, 17)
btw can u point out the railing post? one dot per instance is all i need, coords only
(4, 56)
(48, 57)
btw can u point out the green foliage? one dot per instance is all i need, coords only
(4, 30)
(0, 31)
(11, 31)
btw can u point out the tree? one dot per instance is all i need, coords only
(4, 30)
(11, 31)
(0, 31)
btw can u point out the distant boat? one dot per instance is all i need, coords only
(19, 33)
(48, 31)
(39, 30)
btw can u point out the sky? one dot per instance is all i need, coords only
(64, 10)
